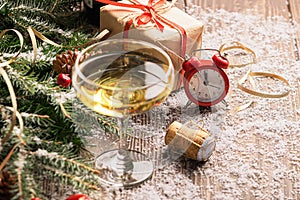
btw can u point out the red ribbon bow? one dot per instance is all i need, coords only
(150, 15)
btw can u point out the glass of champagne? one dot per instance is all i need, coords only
(121, 78)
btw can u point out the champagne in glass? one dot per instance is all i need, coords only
(121, 78)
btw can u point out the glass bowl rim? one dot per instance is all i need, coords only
(77, 71)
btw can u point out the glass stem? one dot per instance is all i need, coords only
(123, 125)
(123, 165)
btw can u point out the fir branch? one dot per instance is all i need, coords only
(15, 160)
(23, 8)
(18, 131)
(74, 180)
(9, 44)
(39, 120)
(26, 186)
(66, 165)
(39, 99)
(36, 93)
(23, 84)
(40, 70)
(69, 171)
(31, 184)
(45, 16)
(31, 86)
(56, 158)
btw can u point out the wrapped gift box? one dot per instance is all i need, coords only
(115, 18)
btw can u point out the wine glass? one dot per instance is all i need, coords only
(121, 78)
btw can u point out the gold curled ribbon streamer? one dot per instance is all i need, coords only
(237, 45)
(9, 84)
(14, 109)
(32, 33)
(6, 159)
(262, 94)
(14, 103)
(250, 74)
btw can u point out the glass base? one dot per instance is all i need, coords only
(127, 169)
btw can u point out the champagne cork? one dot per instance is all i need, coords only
(196, 144)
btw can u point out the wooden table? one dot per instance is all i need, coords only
(289, 9)
(257, 152)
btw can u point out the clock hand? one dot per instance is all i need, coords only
(213, 86)
(205, 78)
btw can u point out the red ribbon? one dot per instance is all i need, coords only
(150, 15)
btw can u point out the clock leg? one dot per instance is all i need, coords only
(224, 102)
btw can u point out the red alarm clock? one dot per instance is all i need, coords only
(205, 82)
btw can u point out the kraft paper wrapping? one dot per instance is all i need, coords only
(114, 18)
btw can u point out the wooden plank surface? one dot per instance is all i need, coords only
(265, 7)
(268, 8)
(294, 10)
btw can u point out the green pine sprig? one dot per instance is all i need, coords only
(41, 15)
(51, 143)
(32, 165)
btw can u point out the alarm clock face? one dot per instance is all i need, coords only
(207, 85)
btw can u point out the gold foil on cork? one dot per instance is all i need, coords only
(196, 144)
